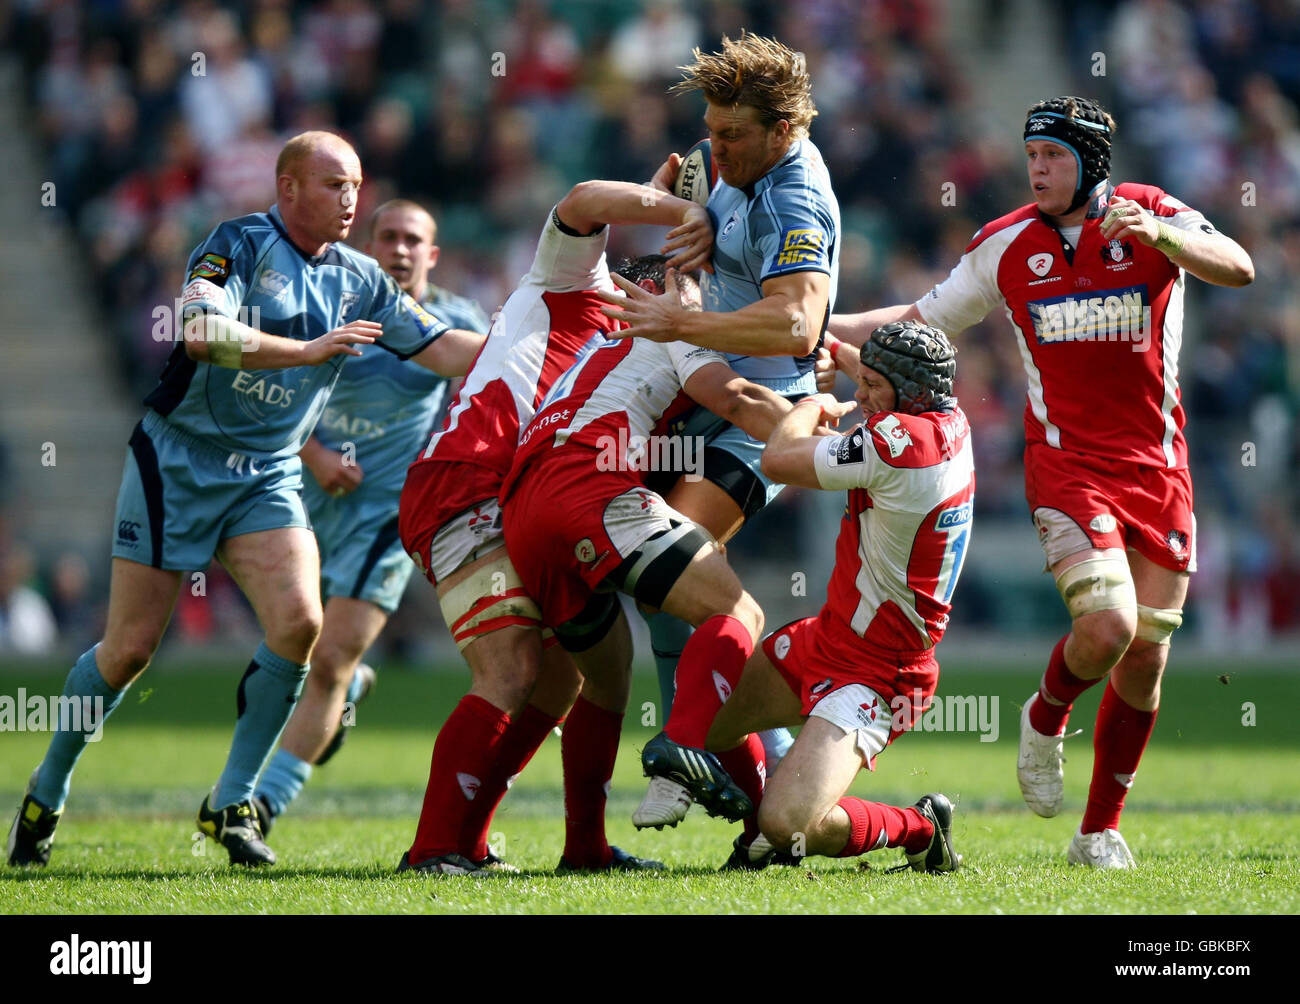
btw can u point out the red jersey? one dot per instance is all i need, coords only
(1100, 326)
(911, 485)
(551, 318)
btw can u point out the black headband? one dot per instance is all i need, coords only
(1076, 135)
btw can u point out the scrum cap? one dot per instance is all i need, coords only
(1084, 128)
(918, 360)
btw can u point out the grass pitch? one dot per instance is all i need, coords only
(1212, 819)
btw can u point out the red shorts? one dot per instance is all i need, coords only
(1079, 502)
(568, 527)
(821, 655)
(448, 515)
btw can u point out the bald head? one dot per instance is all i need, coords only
(317, 177)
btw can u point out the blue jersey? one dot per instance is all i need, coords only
(384, 407)
(249, 270)
(788, 221)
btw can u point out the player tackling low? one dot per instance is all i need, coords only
(861, 672)
(1092, 277)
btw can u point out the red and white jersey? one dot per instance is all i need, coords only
(545, 325)
(911, 485)
(618, 400)
(1100, 326)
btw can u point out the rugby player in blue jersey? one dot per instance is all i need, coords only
(775, 269)
(378, 419)
(272, 307)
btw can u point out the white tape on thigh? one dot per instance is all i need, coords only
(1157, 624)
(1103, 583)
(489, 598)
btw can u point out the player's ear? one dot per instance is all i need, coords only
(287, 185)
(433, 255)
(650, 286)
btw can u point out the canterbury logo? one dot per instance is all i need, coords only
(469, 785)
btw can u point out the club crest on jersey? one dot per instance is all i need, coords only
(1103, 523)
(1117, 251)
(1177, 541)
(730, 225)
(272, 283)
(346, 302)
(1040, 264)
(895, 436)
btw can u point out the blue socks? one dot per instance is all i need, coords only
(668, 636)
(86, 684)
(283, 780)
(265, 699)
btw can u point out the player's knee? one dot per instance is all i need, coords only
(1103, 637)
(749, 613)
(125, 658)
(1144, 664)
(332, 665)
(783, 822)
(296, 630)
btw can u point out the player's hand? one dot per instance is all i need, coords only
(692, 241)
(646, 315)
(831, 411)
(340, 341)
(825, 370)
(1125, 218)
(664, 177)
(336, 473)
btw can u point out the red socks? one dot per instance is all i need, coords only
(588, 751)
(1058, 682)
(747, 767)
(873, 825)
(521, 740)
(707, 673)
(1122, 734)
(463, 756)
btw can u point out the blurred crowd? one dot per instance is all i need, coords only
(159, 119)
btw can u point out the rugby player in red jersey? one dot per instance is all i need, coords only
(450, 524)
(1092, 276)
(861, 672)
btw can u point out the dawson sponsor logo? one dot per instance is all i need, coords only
(75, 957)
(37, 713)
(1114, 315)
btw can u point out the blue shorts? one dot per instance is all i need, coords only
(732, 459)
(361, 552)
(182, 496)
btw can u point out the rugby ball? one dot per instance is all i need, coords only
(697, 174)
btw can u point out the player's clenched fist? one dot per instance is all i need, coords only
(340, 341)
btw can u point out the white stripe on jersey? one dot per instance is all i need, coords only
(1172, 344)
(1034, 386)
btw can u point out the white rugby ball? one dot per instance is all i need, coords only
(697, 175)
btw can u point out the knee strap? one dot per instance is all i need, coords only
(1103, 583)
(1156, 624)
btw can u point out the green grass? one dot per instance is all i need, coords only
(1212, 818)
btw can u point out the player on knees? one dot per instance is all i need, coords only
(523, 683)
(580, 522)
(1092, 277)
(270, 304)
(861, 672)
(378, 418)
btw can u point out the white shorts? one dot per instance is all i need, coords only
(859, 710)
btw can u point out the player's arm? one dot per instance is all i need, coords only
(331, 469)
(222, 341)
(452, 353)
(791, 449)
(855, 329)
(787, 321)
(593, 204)
(1210, 256)
(727, 394)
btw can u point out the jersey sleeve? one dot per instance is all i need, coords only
(1181, 216)
(570, 263)
(217, 275)
(686, 359)
(408, 327)
(797, 233)
(968, 294)
(846, 461)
